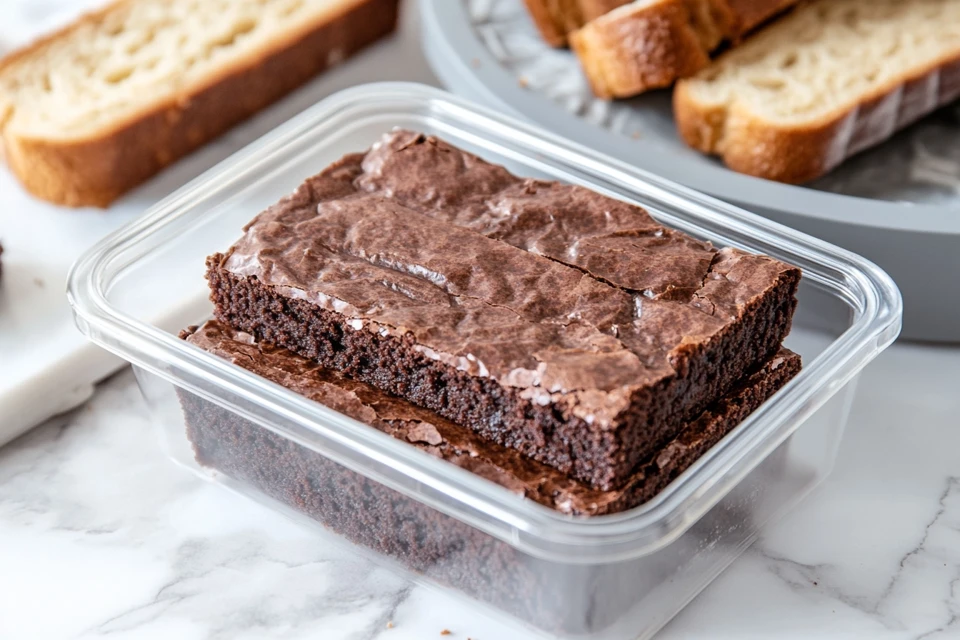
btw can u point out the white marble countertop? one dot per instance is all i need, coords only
(101, 536)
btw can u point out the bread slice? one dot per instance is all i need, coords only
(95, 109)
(556, 18)
(649, 44)
(825, 82)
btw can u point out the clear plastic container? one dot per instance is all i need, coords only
(616, 576)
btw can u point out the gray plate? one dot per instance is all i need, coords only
(898, 205)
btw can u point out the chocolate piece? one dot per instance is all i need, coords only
(506, 467)
(545, 317)
(570, 598)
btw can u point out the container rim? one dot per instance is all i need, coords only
(524, 524)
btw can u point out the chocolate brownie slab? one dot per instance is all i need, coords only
(545, 317)
(556, 596)
(464, 448)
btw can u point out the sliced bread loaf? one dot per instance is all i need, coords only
(649, 44)
(100, 106)
(827, 81)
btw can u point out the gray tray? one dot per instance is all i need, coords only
(898, 204)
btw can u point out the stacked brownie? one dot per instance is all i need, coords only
(466, 449)
(555, 341)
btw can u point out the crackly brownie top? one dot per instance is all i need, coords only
(438, 436)
(573, 297)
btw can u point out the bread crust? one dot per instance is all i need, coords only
(750, 144)
(750, 14)
(593, 9)
(647, 49)
(555, 19)
(549, 19)
(95, 170)
(546, 22)
(644, 47)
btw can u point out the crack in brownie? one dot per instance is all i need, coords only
(464, 448)
(545, 317)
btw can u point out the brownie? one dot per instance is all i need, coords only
(464, 448)
(554, 595)
(545, 317)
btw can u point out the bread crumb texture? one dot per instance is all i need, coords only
(828, 54)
